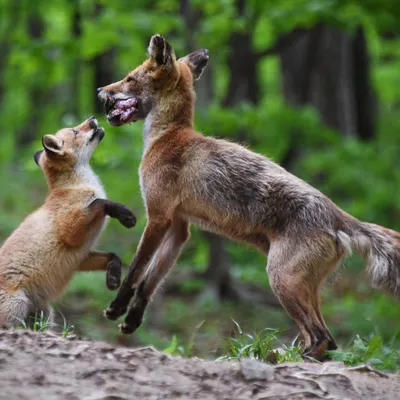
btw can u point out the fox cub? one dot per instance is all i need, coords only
(41, 256)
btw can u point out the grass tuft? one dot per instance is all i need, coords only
(263, 346)
(41, 322)
(371, 351)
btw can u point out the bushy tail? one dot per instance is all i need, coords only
(380, 247)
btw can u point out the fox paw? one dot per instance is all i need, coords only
(318, 351)
(133, 320)
(127, 218)
(113, 314)
(113, 274)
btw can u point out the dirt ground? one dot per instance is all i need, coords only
(44, 366)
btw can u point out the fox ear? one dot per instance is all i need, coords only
(52, 145)
(197, 62)
(160, 51)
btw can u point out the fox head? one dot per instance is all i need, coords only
(69, 148)
(161, 86)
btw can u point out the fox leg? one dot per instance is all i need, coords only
(78, 233)
(115, 210)
(152, 237)
(159, 267)
(295, 275)
(109, 262)
(14, 308)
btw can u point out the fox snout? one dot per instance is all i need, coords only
(91, 125)
(120, 107)
(36, 156)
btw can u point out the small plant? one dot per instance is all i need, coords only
(370, 351)
(38, 323)
(187, 351)
(174, 348)
(68, 329)
(42, 323)
(263, 346)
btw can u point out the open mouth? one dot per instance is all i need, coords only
(121, 111)
(98, 133)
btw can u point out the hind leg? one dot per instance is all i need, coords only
(14, 309)
(296, 272)
(332, 344)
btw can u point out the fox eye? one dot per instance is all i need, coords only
(75, 131)
(129, 79)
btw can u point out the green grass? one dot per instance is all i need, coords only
(263, 346)
(42, 323)
(371, 351)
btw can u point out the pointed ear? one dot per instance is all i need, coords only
(197, 62)
(53, 145)
(160, 51)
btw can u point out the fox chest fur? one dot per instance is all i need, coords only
(52, 252)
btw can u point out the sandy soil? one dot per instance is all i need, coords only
(44, 366)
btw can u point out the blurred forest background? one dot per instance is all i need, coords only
(313, 84)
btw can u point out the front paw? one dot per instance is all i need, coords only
(127, 218)
(113, 274)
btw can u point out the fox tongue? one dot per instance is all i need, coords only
(124, 109)
(127, 114)
(126, 104)
(115, 113)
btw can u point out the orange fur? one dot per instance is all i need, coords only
(225, 188)
(41, 256)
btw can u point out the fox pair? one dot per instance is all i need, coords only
(225, 188)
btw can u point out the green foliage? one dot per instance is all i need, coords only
(370, 351)
(41, 322)
(175, 349)
(260, 346)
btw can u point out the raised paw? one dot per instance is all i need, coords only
(132, 321)
(120, 304)
(113, 274)
(113, 314)
(127, 218)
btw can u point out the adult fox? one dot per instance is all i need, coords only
(41, 256)
(224, 187)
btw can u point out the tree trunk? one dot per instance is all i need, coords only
(25, 135)
(242, 62)
(76, 106)
(329, 69)
(104, 69)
